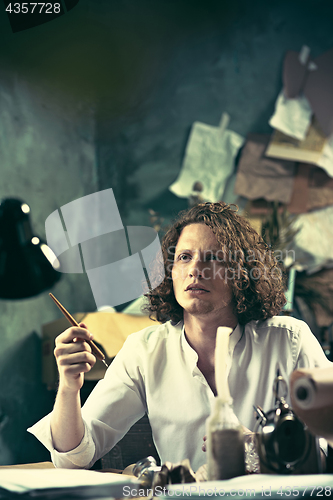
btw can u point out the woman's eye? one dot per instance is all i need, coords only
(184, 257)
(211, 257)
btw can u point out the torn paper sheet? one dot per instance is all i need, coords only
(262, 177)
(315, 148)
(307, 90)
(308, 150)
(314, 80)
(313, 189)
(292, 116)
(313, 243)
(209, 160)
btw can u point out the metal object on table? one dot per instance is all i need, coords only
(145, 470)
(152, 476)
(284, 443)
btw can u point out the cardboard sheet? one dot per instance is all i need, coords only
(313, 189)
(262, 177)
(308, 150)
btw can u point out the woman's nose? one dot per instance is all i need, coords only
(196, 269)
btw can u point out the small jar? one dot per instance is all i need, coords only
(225, 443)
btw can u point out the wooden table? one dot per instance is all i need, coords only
(37, 465)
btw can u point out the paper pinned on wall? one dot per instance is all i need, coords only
(209, 160)
(262, 177)
(292, 116)
(313, 243)
(314, 80)
(303, 117)
(315, 148)
(308, 150)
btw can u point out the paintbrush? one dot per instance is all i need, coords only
(97, 352)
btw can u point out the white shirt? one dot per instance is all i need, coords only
(156, 373)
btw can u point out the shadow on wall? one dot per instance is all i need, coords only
(23, 400)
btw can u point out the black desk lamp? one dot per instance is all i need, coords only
(26, 267)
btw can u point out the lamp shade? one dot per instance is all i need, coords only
(26, 267)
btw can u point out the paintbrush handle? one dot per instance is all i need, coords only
(96, 351)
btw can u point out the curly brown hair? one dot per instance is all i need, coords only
(255, 275)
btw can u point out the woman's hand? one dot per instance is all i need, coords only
(74, 357)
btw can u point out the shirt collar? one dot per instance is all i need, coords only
(187, 349)
(235, 338)
(192, 355)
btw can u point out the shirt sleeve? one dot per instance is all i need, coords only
(119, 400)
(80, 457)
(114, 405)
(308, 351)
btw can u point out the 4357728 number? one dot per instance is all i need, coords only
(33, 8)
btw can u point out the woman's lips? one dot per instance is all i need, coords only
(196, 289)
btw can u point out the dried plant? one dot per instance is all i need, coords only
(277, 229)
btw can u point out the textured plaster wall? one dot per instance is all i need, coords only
(47, 158)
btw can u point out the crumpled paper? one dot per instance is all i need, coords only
(209, 161)
(292, 116)
(313, 243)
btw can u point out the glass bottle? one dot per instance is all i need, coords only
(225, 442)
